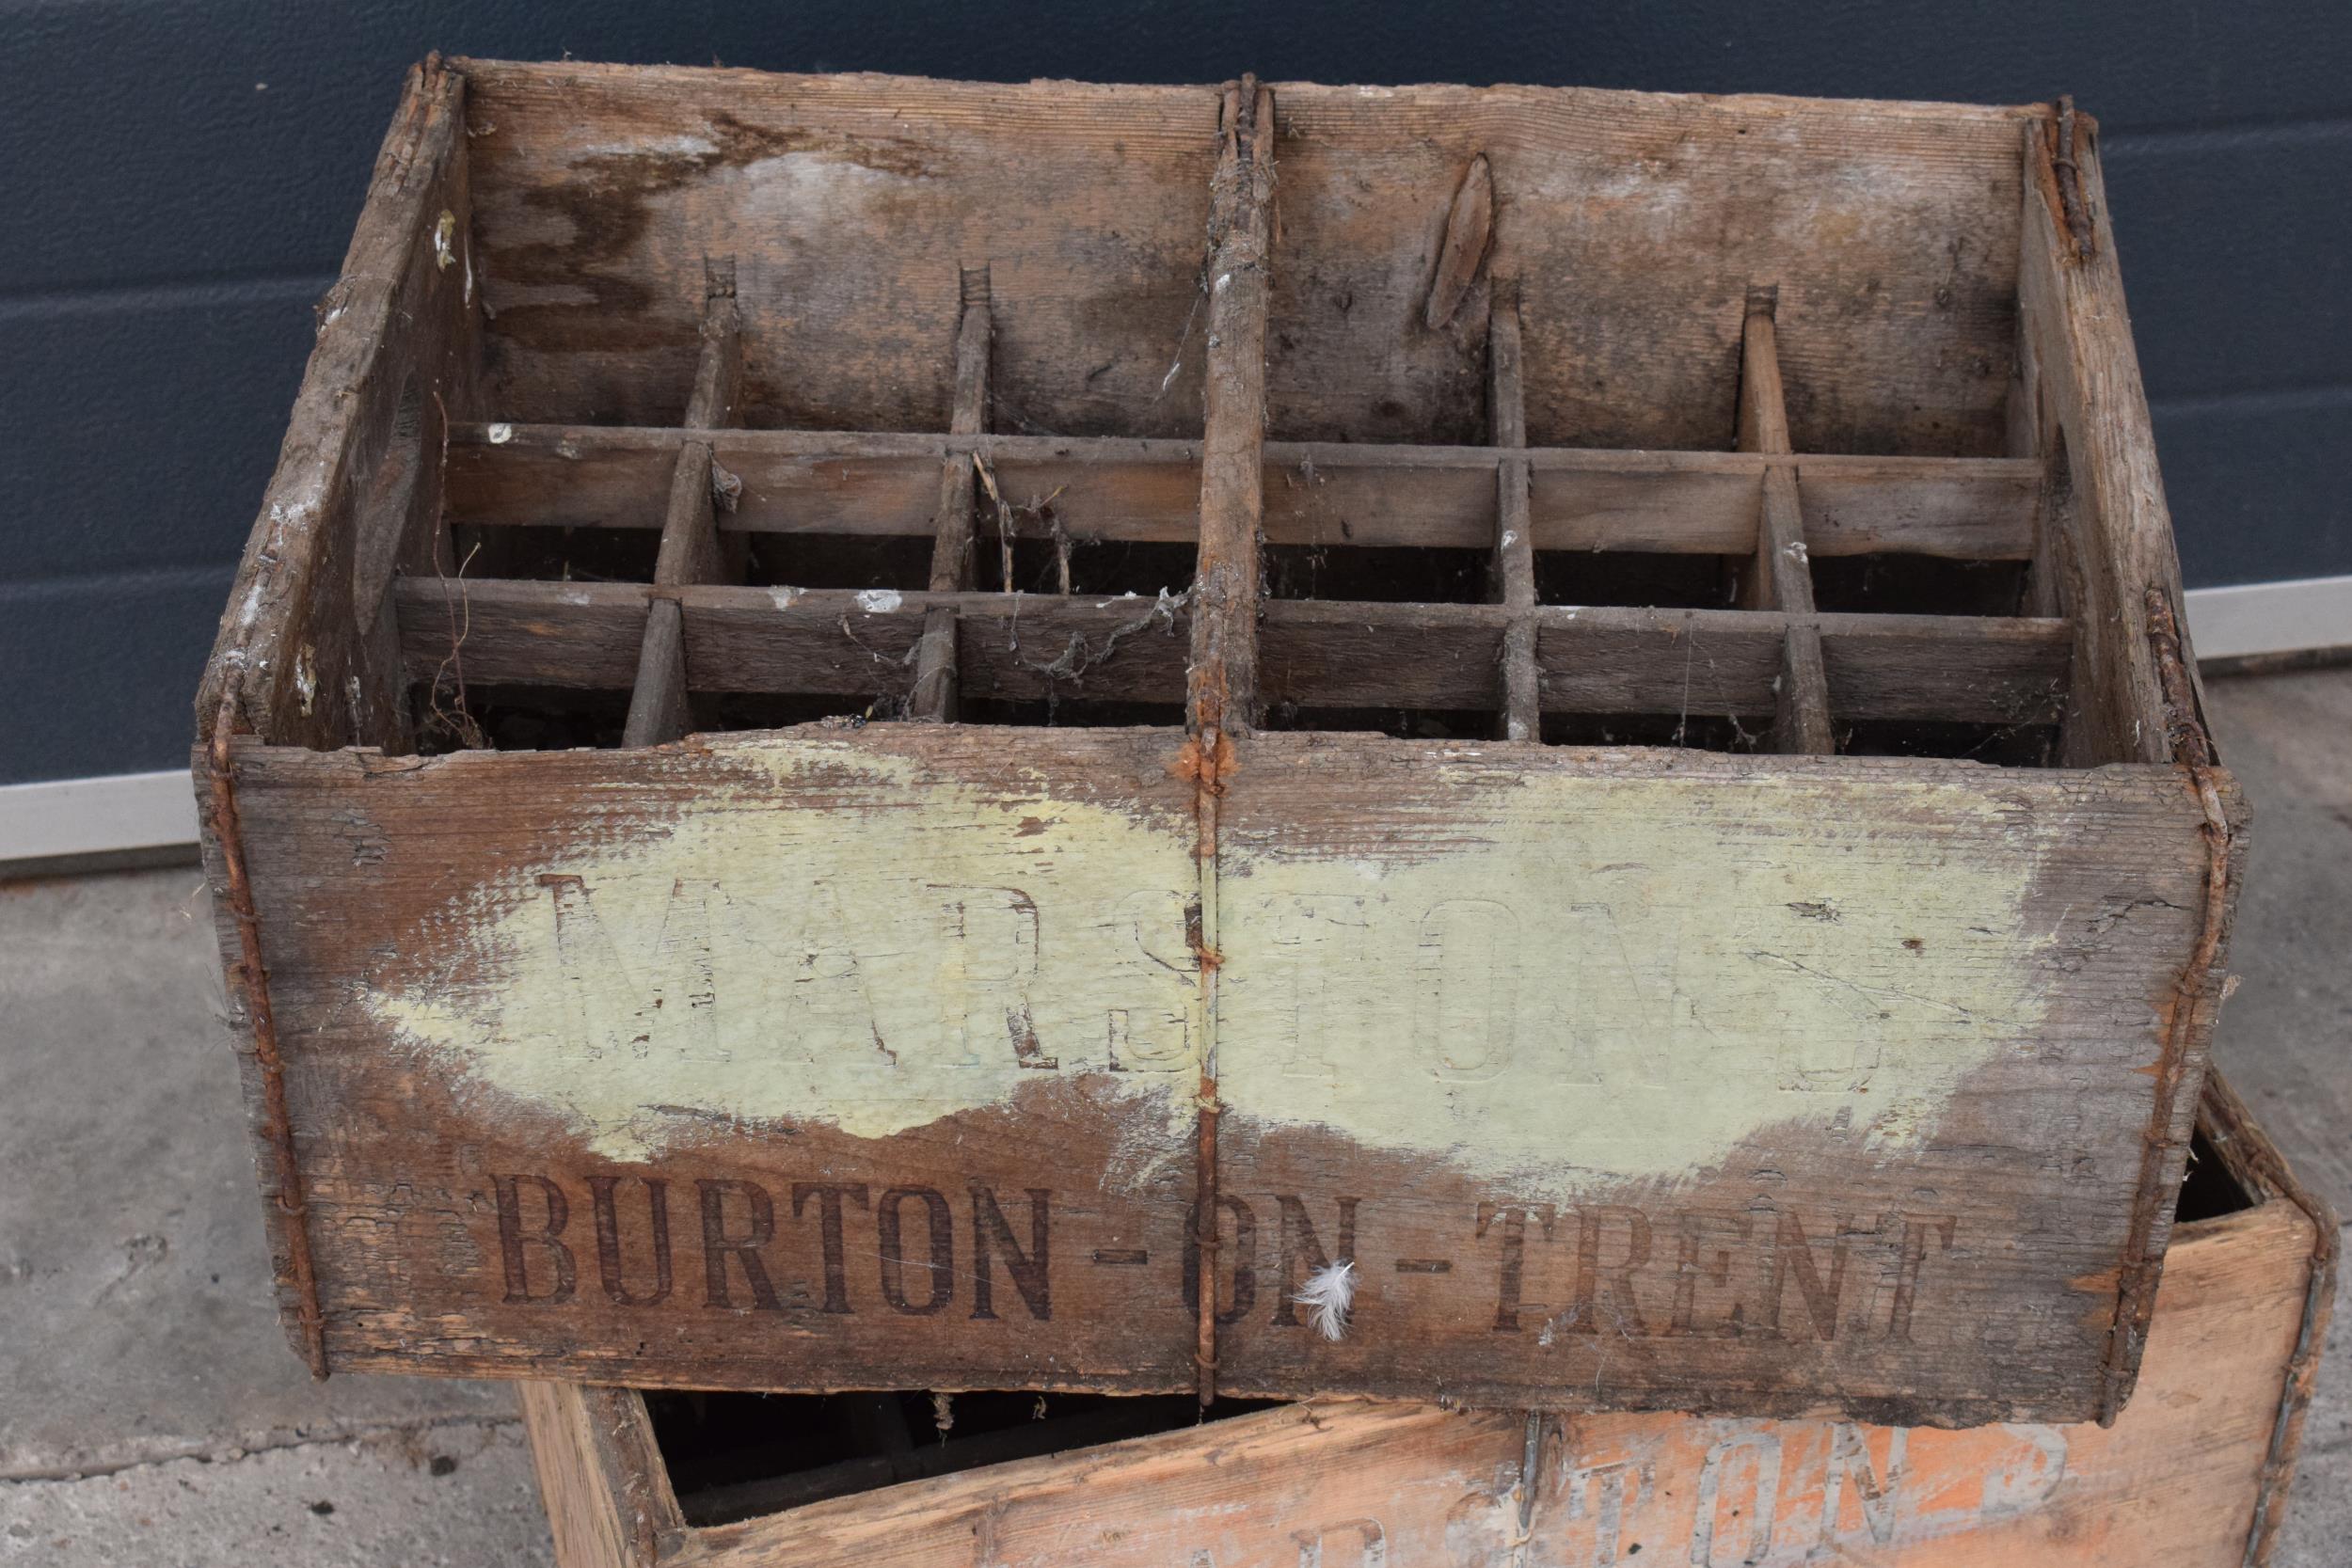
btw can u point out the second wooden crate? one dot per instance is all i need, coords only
(2195, 1475)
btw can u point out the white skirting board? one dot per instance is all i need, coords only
(2256, 618)
(125, 814)
(135, 813)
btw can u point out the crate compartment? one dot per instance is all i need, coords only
(1509, 677)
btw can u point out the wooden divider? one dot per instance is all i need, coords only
(1782, 577)
(934, 698)
(1512, 576)
(1222, 690)
(691, 549)
(1221, 696)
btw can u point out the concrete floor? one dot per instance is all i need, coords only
(152, 1414)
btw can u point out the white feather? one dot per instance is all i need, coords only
(1330, 1290)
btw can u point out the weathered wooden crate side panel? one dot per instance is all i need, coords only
(307, 651)
(805, 1064)
(910, 1021)
(2109, 532)
(2184, 1480)
(308, 648)
(1694, 1084)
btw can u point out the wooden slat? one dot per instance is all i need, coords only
(934, 696)
(1090, 199)
(1960, 509)
(1694, 662)
(952, 538)
(2047, 592)
(1514, 571)
(1731, 963)
(1782, 576)
(1314, 652)
(851, 200)
(832, 643)
(1222, 686)
(691, 550)
(2121, 567)
(1316, 493)
(1007, 648)
(1336, 1483)
(583, 635)
(1670, 503)
(1705, 663)
(1631, 220)
(1084, 837)
(717, 399)
(1330, 653)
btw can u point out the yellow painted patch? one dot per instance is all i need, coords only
(876, 969)
(1627, 977)
(1580, 978)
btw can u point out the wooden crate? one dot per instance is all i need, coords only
(866, 716)
(2194, 1474)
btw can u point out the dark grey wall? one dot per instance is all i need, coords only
(176, 182)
